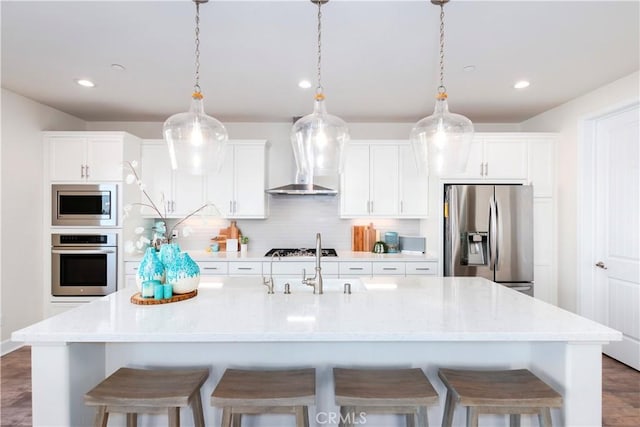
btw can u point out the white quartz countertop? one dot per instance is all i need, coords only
(390, 309)
(344, 256)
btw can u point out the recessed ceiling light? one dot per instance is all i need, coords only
(117, 67)
(85, 83)
(304, 84)
(469, 68)
(521, 84)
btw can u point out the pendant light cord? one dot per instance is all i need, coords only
(319, 88)
(441, 89)
(196, 86)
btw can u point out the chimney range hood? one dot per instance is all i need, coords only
(303, 186)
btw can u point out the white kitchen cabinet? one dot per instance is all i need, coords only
(237, 189)
(421, 268)
(388, 268)
(380, 179)
(355, 268)
(497, 157)
(176, 193)
(542, 166)
(213, 268)
(89, 156)
(245, 268)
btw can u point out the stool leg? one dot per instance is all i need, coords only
(422, 417)
(472, 416)
(132, 419)
(302, 419)
(174, 417)
(226, 417)
(347, 414)
(305, 414)
(411, 420)
(514, 420)
(102, 417)
(449, 406)
(196, 408)
(544, 418)
(236, 420)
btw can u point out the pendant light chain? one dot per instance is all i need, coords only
(319, 88)
(196, 87)
(441, 88)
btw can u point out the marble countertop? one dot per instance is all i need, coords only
(390, 309)
(199, 255)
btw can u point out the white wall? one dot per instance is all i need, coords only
(566, 119)
(21, 195)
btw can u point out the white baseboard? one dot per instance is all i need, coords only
(7, 346)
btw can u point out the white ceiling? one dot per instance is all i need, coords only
(380, 58)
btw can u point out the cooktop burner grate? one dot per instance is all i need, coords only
(293, 252)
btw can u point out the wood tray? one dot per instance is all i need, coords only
(137, 298)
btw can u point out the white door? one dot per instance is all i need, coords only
(617, 231)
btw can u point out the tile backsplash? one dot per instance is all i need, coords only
(293, 222)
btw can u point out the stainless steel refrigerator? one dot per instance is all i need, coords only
(488, 232)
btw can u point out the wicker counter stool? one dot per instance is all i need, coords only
(148, 391)
(512, 392)
(254, 392)
(383, 391)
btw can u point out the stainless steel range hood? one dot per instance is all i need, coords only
(303, 186)
(302, 190)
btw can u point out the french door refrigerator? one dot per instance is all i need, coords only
(488, 232)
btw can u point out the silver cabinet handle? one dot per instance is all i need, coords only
(481, 169)
(389, 268)
(210, 268)
(86, 171)
(422, 269)
(81, 171)
(401, 206)
(230, 206)
(245, 268)
(371, 210)
(356, 268)
(81, 252)
(173, 206)
(235, 206)
(601, 265)
(368, 206)
(486, 169)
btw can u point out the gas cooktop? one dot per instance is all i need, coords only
(300, 252)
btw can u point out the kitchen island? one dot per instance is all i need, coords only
(426, 322)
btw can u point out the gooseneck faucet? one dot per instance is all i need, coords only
(315, 281)
(269, 282)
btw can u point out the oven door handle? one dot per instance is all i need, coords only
(82, 252)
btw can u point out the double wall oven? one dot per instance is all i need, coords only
(84, 240)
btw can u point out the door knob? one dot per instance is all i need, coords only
(601, 265)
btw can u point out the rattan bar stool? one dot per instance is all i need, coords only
(383, 391)
(512, 392)
(252, 392)
(148, 391)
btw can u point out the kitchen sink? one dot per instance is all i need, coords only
(328, 285)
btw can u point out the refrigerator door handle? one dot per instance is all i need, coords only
(493, 234)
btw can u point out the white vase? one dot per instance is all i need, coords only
(244, 247)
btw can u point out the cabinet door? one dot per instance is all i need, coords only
(220, 185)
(354, 192)
(67, 158)
(384, 178)
(249, 180)
(505, 158)
(413, 186)
(475, 162)
(542, 166)
(156, 176)
(188, 193)
(104, 159)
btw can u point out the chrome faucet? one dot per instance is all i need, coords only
(269, 282)
(315, 281)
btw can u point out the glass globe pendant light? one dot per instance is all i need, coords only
(441, 141)
(195, 140)
(318, 138)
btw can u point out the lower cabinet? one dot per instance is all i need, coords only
(245, 268)
(353, 269)
(388, 269)
(421, 268)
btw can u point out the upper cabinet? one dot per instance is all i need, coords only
(237, 189)
(494, 156)
(89, 156)
(175, 193)
(542, 165)
(380, 179)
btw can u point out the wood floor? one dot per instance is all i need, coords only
(620, 391)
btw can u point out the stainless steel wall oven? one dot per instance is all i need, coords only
(83, 264)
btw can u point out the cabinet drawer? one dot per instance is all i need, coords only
(388, 269)
(421, 268)
(294, 268)
(131, 267)
(248, 268)
(209, 268)
(355, 269)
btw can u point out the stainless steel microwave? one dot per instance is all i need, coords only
(92, 205)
